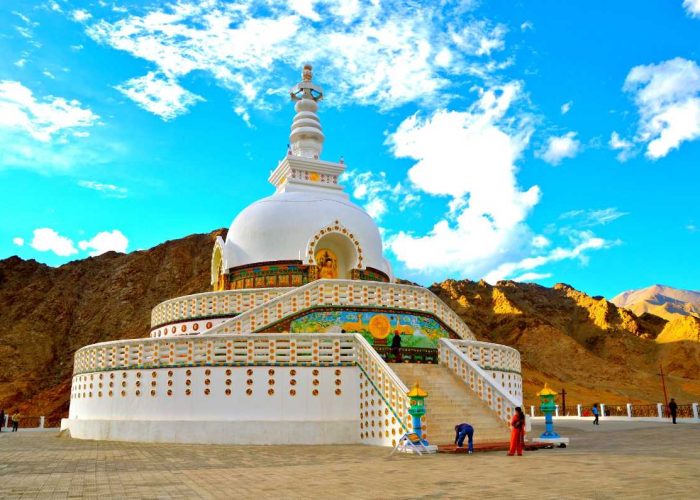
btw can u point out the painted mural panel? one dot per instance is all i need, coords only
(377, 327)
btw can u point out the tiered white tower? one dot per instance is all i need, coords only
(291, 346)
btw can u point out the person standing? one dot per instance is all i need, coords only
(15, 421)
(2, 419)
(596, 413)
(673, 409)
(462, 431)
(396, 347)
(517, 433)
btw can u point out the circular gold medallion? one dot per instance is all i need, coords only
(379, 326)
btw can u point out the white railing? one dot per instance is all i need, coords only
(264, 349)
(345, 293)
(500, 361)
(497, 397)
(211, 304)
(491, 357)
(382, 398)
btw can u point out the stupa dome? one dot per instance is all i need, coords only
(309, 228)
(295, 225)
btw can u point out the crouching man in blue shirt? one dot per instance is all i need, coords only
(462, 431)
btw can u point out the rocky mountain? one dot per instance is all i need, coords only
(660, 300)
(587, 345)
(594, 349)
(47, 313)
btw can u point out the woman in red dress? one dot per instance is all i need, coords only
(517, 434)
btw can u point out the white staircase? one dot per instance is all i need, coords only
(450, 402)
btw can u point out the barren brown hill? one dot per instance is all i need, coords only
(588, 345)
(664, 301)
(47, 313)
(597, 351)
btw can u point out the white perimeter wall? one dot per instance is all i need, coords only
(266, 405)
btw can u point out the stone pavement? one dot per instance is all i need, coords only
(618, 460)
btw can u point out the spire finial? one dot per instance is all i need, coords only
(306, 137)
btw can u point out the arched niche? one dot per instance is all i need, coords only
(340, 250)
(218, 281)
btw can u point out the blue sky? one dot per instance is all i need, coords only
(541, 141)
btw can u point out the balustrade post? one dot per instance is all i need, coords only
(578, 409)
(556, 410)
(629, 410)
(41, 422)
(532, 410)
(4, 424)
(695, 411)
(660, 409)
(602, 409)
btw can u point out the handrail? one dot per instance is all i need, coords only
(390, 388)
(273, 348)
(366, 347)
(482, 353)
(208, 304)
(355, 293)
(476, 377)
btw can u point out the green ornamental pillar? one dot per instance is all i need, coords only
(417, 409)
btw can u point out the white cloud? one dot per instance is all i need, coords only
(80, 15)
(584, 241)
(374, 53)
(376, 192)
(105, 241)
(566, 107)
(527, 25)
(470, 157)
(692, 7)
(47, 240)
(532, 276)
(540, 241)
(18, 241)
(590, 218)
(622, 145)
(559, 148)
(667, 96)
(40, 118)
(159, 94)
(109, 189)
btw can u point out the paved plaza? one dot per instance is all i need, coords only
(617, 459)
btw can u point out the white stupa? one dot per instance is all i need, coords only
(293, 343)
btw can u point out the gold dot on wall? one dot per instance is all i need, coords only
(170, 373)
(228, 381)
(337, 373)
(228, 392)
(292, 392)
(153, 393)
(249, 381)
(292, 372)
(315, 373)
(188, 392)
(249, 372)
(170, 392)
(249, 392)
(270, 391)
(271, 381)
(206, 391)
(315, 392)
(228, 373)
(207, 381)
(338, 392)
(188, 372)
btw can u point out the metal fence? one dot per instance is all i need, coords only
(645, 410)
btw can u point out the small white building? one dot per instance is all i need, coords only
(293, 345)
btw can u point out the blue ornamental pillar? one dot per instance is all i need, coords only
(548, 407)
(417, 409)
